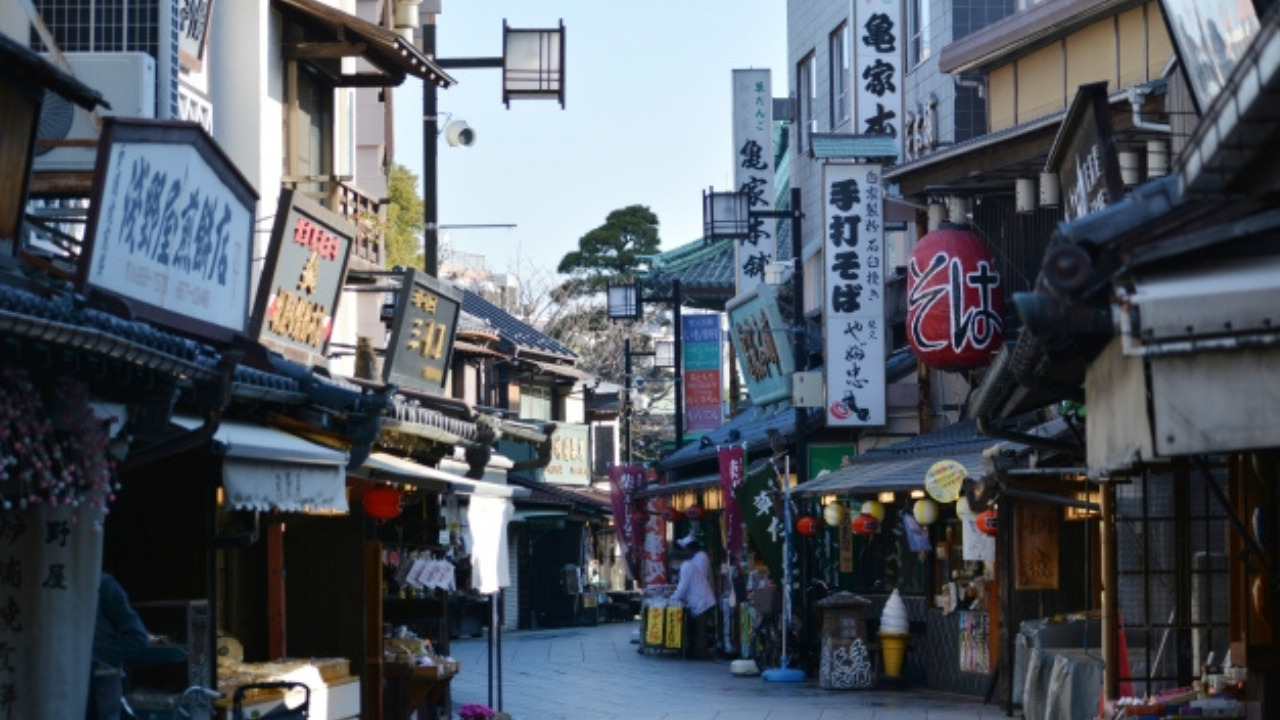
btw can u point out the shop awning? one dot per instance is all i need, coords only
(883, 476)
(381, 466)
(267, 469)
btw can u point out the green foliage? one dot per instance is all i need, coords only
(404, 219)
(610, 252)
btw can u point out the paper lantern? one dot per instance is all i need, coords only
(955, 300)
(925, 511)
(807, 526)
(833, 513)
(866, 525)
(987, 522)
(963, 511)
(694, 512)
(874, 508)
(382, 502)
(670, 514)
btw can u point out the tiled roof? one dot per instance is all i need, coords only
(704, 269)
(510, 329)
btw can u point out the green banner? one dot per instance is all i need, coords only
(760, 499)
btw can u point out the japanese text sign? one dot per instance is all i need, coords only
(421, 345)
(762, 345)
(170, 227)
(853, 308)
(753, 172)
(701, 362)
(1084, 155)
(302, 281)
(570, 462)
(877, 63)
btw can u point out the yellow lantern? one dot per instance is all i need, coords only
(873, 508)
(833, 513)
(926, 511)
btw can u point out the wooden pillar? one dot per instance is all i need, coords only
(1110, 595)
(276, 621)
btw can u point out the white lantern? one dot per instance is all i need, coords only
(873, 508)
(833, 513)
(926, 511)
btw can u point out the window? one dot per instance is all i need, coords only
(535, 403)
(918, 30)
(308, 123)
(841, 54)
(806, 95)
(101, 25)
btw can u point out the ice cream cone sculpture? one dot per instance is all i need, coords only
(894, 627)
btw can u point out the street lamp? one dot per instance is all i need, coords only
(532, 65)
(626, 302)
(729, 215)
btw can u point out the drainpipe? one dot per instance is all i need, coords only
(1136, 97)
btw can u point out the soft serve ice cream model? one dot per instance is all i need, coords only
(894, 629)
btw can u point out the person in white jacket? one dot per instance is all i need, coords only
(695, 592)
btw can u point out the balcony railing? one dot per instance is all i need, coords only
(365, 212)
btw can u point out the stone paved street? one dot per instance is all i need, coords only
(596, 673)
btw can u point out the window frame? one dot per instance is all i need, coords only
(840, 45)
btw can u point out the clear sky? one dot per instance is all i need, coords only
(647, 119)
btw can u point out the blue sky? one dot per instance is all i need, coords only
(646, 119)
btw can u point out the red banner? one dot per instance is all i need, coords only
(629, 518)
(733, 459)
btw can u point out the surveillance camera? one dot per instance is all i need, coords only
(459, 134)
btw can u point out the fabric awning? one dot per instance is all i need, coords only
(268, 469)
(381, 466)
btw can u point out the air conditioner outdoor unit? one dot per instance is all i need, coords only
(127, 80)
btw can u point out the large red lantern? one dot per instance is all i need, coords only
(955, 300)
(866, 525)
(807, 526)
(669, 514)
(694, 512)
(988, 522)
(382, 502)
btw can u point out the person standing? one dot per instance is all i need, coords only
(694, 590)
(117, 634)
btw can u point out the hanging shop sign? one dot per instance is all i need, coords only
(753, 173)
(1084, 155)
(732, 460)
(760, 497)
(302, 281)
(570, 456)
(877, 63)
(170, 228)
(1210, 39)
(420, 349)
(955, 301)
(1035, 553)
(943, 479)
(700, 347)
(853, 308)
(761, 344)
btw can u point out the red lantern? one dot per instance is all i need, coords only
(694, 512)
(955, 300)
(988, 523)
(866, 525)
(807, 526)
(669, 514)
(382, 502)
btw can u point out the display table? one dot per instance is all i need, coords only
(414, 691)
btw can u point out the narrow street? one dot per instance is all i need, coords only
(596, 673)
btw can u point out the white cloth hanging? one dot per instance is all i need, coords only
(488, 518)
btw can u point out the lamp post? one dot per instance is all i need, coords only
(532, 65)
(729, 215)
(626, 302)
(659, 361)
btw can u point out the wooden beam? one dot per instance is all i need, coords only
(323, 50)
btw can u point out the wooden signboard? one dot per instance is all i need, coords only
(1035, 547)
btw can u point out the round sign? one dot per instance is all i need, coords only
(638, 382)
(943, 479)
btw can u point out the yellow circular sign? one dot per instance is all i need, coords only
(943, 479)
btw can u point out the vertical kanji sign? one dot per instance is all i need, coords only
(753, 172)
(853, 308)
(877, 68)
